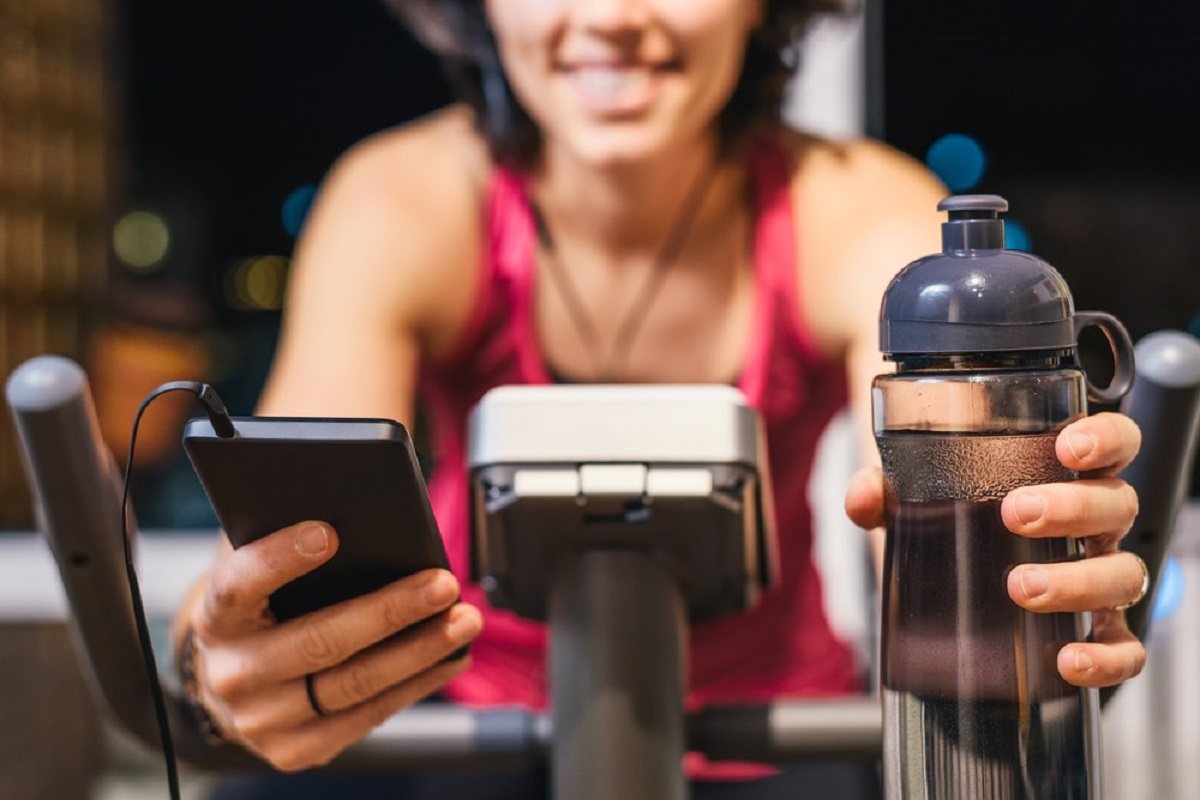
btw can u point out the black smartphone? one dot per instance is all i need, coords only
(359, 475)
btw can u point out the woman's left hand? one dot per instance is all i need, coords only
(1100, 509)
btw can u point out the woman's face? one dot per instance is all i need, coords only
(619, 81)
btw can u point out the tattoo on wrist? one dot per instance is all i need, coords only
(185, 666)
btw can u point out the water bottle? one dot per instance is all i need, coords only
(984, 342)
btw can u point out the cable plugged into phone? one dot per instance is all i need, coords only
(214, 408)
(223, 426)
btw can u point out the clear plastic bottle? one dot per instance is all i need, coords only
(984, 341)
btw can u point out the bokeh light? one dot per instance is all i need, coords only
(958, 160)
(1170, 591)
(257, 283)
(295, 208)
(141, 240)
(1016, 237)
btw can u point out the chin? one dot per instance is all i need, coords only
(618, 145)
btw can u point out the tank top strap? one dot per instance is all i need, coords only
(512, 257)
(775, 250)
(511, 233)
(502, 282)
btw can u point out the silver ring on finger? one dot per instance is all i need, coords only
(1142, 591)
(311, 690)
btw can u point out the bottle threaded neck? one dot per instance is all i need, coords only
(984, 362)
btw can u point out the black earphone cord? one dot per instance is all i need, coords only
(223, 426)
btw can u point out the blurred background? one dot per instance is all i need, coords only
(157, 161)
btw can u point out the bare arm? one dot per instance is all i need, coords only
(383, 272)
(865, 212)
(391, 230)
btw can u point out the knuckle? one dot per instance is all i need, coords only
(357, 684)
(1077, 505)
(315, 645)
(203, 623)
(274, 561)
(1107, 426)
(286, 758)
(224, 591)
(248, 727)
(1132, 504)
(1139, 661)
(1116, 428)
(291, 755)
(227, 676)
(396, 609)
(1066, 505)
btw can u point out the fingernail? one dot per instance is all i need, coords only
(1083, 662)
(1029, 507)
(312, 541)
(1080, 444)
(1034, 582)
(440, 590)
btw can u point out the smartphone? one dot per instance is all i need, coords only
(359, 475)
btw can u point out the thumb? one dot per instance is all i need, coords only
(864, 498)
(242, 582)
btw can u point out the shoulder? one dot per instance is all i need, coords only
(861, 179)
(863, 210)
(437, 158)
(398, 215)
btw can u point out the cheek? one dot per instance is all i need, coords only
(713, 36)
(524, 24)
(524, 31)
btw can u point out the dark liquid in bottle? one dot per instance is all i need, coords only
(974, 704)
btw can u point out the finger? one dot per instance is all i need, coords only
(390, 663)
(1087, 507)
(327, 637)
(359, 679)
(1103, 443)
(865, 498)
(1105, 581)
(317, 742)
(1115, 655)
(240, 584)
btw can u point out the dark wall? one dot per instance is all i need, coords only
(1088, 114)
(230, 106)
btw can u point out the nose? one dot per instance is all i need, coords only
(611, 16)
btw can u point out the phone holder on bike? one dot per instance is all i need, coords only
(674, 471)
(619, 514)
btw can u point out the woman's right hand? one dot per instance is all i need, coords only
(369, 657)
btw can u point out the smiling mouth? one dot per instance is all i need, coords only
(611, 89)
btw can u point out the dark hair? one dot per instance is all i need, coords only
(457, 30)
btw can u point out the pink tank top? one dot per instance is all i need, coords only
(782, 648)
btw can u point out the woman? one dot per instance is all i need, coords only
(615, 201)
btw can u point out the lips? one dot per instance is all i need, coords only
(610, 89)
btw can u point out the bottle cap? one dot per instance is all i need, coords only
(977, 297)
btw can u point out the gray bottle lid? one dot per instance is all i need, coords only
(977, 297)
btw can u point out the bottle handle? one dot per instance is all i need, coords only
(1122, 351)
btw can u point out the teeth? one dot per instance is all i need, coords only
(605, 81)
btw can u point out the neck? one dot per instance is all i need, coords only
(628, 210)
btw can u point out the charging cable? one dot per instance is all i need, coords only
(223, 426)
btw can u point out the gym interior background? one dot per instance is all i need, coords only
(157, 159)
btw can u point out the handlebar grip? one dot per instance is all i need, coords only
(1165, 403)
(77, 499)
